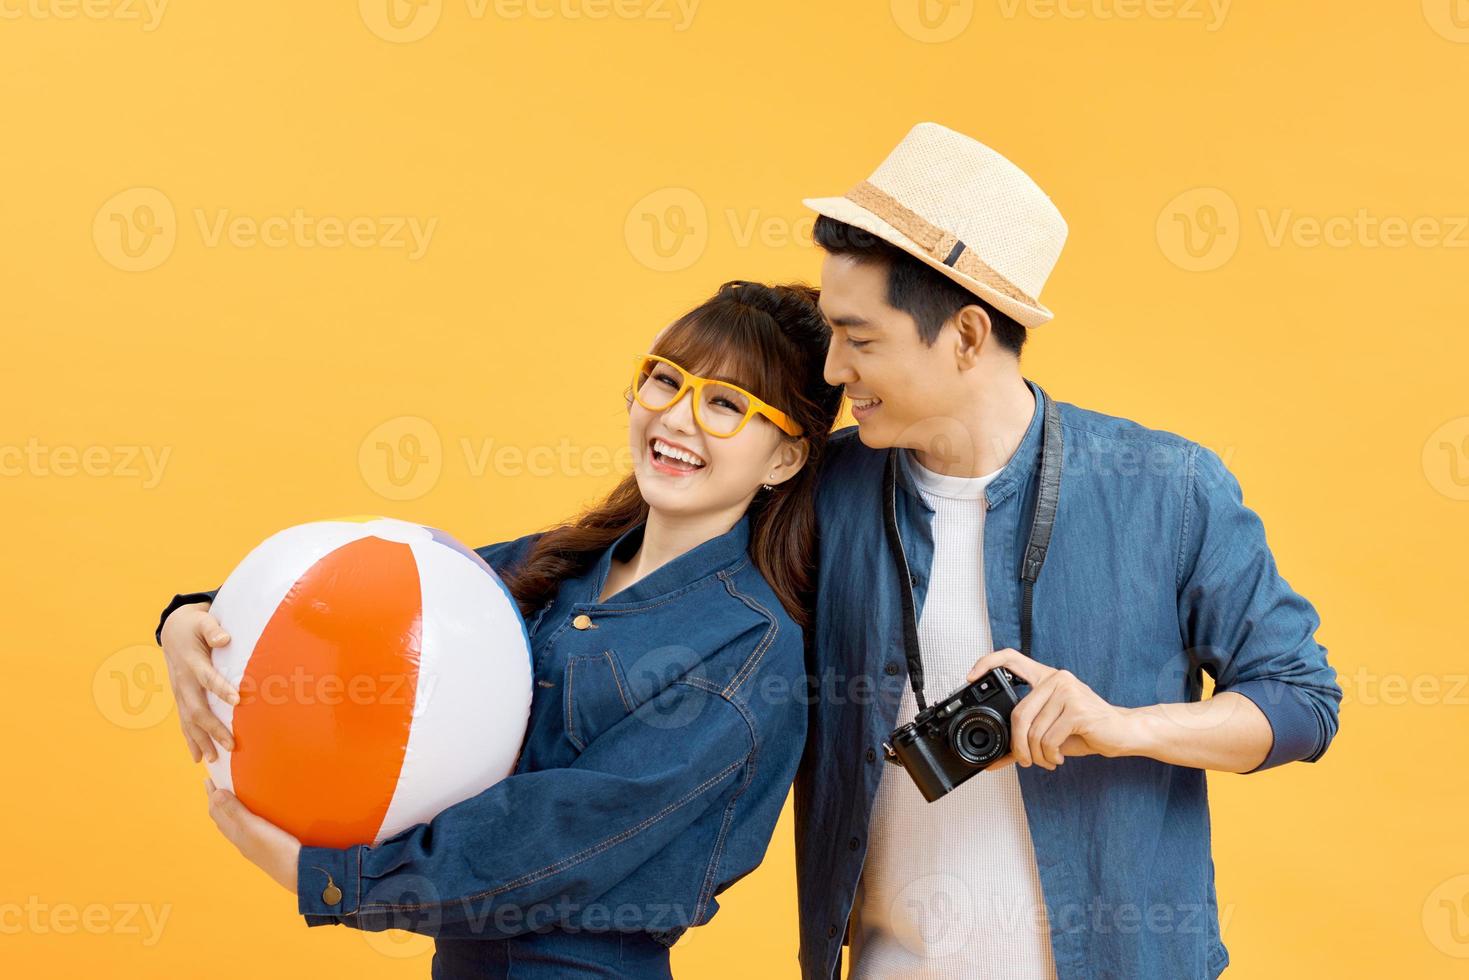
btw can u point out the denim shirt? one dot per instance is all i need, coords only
(659, 753)
(1157, 573)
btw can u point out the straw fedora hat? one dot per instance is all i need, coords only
(960, 207)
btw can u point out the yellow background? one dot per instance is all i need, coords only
(548, 149)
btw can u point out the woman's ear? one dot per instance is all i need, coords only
(787, 460)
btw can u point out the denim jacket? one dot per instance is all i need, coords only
(1157, 573)
(662, 742)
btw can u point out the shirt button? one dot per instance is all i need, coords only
(831, 932)
(891, 669)
(871, 755)
(582, 622)
(913, 579)
(853, 844)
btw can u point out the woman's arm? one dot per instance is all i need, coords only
(542, 847)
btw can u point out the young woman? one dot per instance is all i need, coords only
(669, 711)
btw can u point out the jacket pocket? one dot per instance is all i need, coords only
(597, 696)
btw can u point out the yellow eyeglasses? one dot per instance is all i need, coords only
(721, 409)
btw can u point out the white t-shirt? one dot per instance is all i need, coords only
(950, 888)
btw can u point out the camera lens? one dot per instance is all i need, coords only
(977, 735)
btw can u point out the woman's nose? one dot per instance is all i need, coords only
(680, 415)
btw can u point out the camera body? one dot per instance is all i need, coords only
(953, 739)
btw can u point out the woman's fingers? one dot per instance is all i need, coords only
(212, 635)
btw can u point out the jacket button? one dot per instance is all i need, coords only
(871, 755)
(331, 894)
(891, 669)
(582, 622)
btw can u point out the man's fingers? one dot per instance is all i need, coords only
(1040, 728)
(1020, 722)
(1028, 670)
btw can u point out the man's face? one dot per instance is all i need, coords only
(899, 387)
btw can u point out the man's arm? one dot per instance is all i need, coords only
(1275, 697)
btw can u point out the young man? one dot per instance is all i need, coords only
(1090, 856)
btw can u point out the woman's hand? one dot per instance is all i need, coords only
(267, 846)
(189, 636)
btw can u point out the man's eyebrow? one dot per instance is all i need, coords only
(849, 320)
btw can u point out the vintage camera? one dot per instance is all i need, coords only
(959, 736)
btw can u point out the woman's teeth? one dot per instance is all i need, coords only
(865, 403)
(663, 449)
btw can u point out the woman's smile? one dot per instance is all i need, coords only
(673, 459)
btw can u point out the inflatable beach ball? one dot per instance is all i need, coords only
(384, 675)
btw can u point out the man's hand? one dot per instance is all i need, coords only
(269, 847)
(1059, 717)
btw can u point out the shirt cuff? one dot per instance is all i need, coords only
(1294, 724)
(328, 881)
(182, 599)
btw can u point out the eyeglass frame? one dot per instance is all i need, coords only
(755, 406)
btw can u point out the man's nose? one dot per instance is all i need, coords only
(836, 372)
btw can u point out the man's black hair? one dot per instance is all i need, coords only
(924, 293)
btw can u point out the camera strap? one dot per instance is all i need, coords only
(1044, 519)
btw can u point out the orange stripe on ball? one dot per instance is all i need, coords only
(326, 702)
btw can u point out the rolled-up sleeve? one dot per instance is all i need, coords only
(1243, 623)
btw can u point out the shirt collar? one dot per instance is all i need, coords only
(1015, 472)
(698, 562)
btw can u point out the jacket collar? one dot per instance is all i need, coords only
(1016, 471)
(697, 563)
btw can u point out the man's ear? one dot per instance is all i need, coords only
(974, 327)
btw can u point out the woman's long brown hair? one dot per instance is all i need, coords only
(771, 340)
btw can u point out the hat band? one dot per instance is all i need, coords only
(940, 245)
